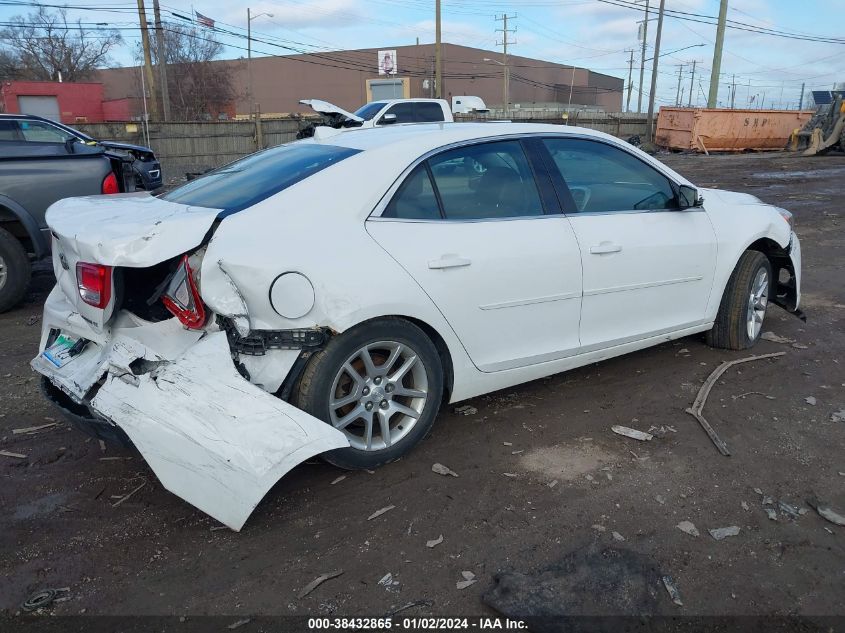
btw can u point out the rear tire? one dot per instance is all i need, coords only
(15, 271)
(739, 321)
(394, 392)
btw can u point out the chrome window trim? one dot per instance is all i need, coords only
(376, 213)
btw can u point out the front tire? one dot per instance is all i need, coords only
(739, 321)
(380, 384)
(15, 271)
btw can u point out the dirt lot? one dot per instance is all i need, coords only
(154, 554)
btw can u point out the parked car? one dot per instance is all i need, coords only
(145, 165)
(376, 113)
(38, 166)
(327, 296)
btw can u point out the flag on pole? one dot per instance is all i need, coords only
(205, 21)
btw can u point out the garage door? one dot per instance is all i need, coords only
(387, 89)
(48, 107)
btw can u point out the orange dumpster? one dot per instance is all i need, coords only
(721, 130)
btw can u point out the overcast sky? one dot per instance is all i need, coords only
(589, 33)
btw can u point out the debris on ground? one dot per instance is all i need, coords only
(509, 474)
(599, 528)
(617, 536)
(410, 605)
(634, 434)
(238, 624)
(689, 528)
(838, 416)
(44, 598)
(672, 590)
(128, 495)
(660, 499)
(826, 512)
(388, 582)
(465, 410)
(440, 469)
(508, 443)
(11, 454)
(725, 532)
(434, 542)
(338, 480)
(553, 483)
(32, 429)
(810, 400)
(378, 513)
(697, 408)
(774, 338)
(469, 580)
(770, 512)
(319, 580)
(800, 346)
(586, 581)
(789, 509)
(745, 506)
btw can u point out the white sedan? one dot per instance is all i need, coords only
(327, 296)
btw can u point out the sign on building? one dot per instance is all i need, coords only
(387, 63)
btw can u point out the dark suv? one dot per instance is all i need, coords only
(27, 127)
(40, 163)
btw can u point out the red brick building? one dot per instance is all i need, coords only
(65, 102)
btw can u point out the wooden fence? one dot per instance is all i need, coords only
(196, 147)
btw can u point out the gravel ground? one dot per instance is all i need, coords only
(154, 554)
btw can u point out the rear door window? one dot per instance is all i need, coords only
(486, 181)
(248, 181)
(428, 112)
(9, 131)
(40, 132)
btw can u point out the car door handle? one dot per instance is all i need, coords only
(448, 261)
(605, 247)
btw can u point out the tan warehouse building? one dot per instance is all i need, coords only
(352, 78)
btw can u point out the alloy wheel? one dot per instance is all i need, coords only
(758, 299)
(378, 395)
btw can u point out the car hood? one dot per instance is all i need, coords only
(126, 146)
(731, 197)
(324, 107)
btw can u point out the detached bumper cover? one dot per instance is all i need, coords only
(211, 437)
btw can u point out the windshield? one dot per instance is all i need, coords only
(368, 111)
(250, 180)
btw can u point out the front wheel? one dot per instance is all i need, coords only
(739, 321)
(14, 271)
(380, 384)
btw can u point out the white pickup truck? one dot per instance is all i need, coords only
(388, 112)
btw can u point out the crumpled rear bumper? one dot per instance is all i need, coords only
(210, 436)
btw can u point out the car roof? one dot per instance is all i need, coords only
(432, 135)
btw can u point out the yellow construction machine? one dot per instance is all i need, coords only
(825, 130)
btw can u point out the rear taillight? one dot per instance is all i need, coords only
(183, 299)
(94, 282)
(110, 184)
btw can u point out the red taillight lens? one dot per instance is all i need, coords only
(110, 184)
(183, 299)
(94, 282)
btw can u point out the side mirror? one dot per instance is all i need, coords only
(688, 197)
(387, 119)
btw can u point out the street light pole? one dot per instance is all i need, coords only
(249, 19)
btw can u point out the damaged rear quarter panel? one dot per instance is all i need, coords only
(211, 437)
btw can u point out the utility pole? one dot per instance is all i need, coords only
(642, 58)
(678, 92)
(653, 92)
(148, 62)
(630, 81)
(733, 91)
(691, 84)
(161, 55)
(506, 71)
(717, 55)
(249, 61)
(801, 100)
(438, 57)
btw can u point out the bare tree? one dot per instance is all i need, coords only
(9, 67)
(45, 46)
(199, 87)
